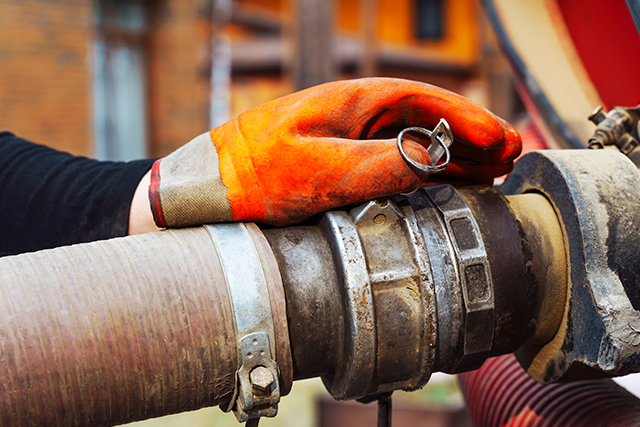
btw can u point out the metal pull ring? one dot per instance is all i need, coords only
(441, 139)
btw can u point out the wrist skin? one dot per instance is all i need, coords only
(140, 216)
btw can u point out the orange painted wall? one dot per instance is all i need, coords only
(395, 25)
(460, 44)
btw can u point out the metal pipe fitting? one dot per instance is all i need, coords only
(360, 300)
(546, 252)
(380, 297)
(372, 300)
(526, 252)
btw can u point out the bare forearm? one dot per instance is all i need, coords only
(140, 216)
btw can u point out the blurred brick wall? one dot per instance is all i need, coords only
(44, 78)
(179, 73)
(46, 72)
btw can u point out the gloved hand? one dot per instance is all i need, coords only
(322, 148)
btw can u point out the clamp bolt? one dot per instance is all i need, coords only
(379, 219)
(261, 379)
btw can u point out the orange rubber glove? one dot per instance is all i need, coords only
(321, 148)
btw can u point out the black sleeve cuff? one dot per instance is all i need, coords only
(50, 198)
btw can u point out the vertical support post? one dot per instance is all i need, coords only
(313, 60)
(384, 410)
(369, 40)
(220, 64)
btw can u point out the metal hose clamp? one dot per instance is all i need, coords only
(441, 139)
(257, 390)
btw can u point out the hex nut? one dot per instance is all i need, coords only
(261, 379)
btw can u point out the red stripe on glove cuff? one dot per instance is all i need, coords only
(154, 195)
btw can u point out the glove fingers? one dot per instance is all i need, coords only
(378, 108)
(317, 174)
(467, 161)
(503, 154)
(357, 109)
(393, 103)
(479, 135)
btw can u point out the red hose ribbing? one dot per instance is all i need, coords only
(501, 394)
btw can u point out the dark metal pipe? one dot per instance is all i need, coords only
(526, 251)
(314, 298)
(515, 285)
(526, 256)
(111, 332)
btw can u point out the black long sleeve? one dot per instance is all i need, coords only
(50, 198)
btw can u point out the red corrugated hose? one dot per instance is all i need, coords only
(502, 394)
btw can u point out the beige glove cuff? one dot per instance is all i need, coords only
(186, 188)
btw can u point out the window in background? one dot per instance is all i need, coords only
(120, 84)
(429, 19)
